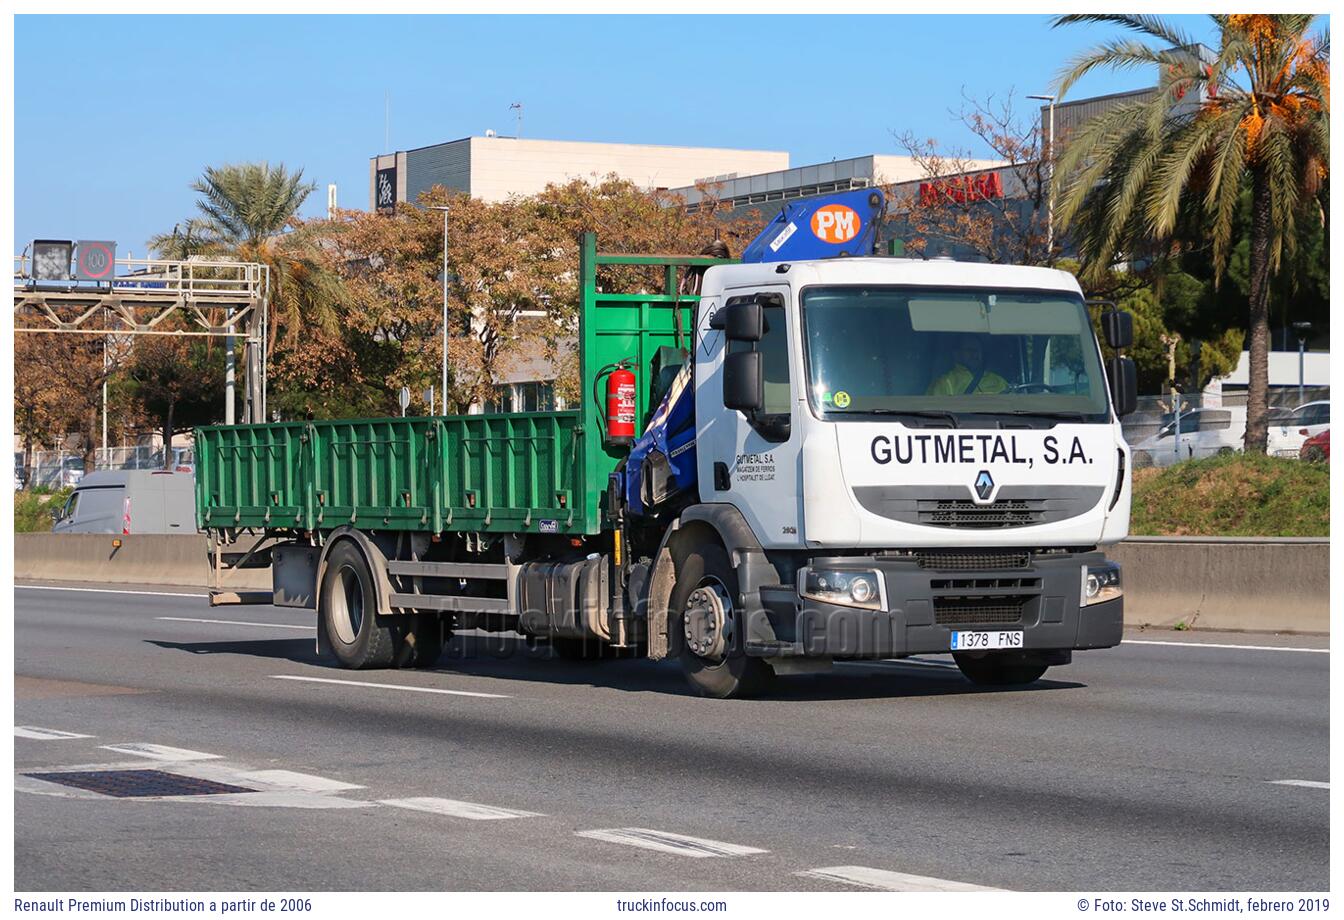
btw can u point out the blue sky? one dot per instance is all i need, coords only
(106, 144)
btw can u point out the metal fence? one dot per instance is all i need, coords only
(53, 469)
(1210, 425)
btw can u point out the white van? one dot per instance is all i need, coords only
(1207, 432)
(130, 501)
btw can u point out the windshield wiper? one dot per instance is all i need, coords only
(1060, 416)
(916, 413)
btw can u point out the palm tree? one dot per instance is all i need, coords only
(244, 212)
(250, 202)
(1257, 114)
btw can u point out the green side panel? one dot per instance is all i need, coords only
(372, 473)
(512, 473)
(509, 473)
(251, 476)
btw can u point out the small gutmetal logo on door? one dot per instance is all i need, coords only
(984, 485)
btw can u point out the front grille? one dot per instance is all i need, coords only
(977, 611)
(963, 562)
(954, 512)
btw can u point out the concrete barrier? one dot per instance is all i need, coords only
(150, 559)
(1270, 585)
(1237, 583)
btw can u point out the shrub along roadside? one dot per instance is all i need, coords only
(32, 510)
(1233, 495)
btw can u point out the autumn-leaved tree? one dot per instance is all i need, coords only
(1256, 114)
(512, 278)
(995, 209)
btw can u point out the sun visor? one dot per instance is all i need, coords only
(994, 316)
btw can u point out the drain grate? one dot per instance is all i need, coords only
(134, 783)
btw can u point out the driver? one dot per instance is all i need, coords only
(968, 373)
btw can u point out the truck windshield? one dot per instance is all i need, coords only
(951, 354)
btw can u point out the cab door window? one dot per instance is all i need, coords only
(774, 349)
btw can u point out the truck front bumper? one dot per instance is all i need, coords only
(926, 603)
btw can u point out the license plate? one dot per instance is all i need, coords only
(965, 641)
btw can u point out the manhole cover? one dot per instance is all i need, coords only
(131, 783)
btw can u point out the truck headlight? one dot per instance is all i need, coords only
(1100, 583)
(848, 588)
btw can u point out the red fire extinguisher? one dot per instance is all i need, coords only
(620, 405)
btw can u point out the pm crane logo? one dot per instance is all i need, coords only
(836, 223)
(984, 485)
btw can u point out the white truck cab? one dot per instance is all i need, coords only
(926, 452)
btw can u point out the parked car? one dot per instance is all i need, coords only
(1287, 438)
(1317, 448)
(129, 501)
(1202, 433)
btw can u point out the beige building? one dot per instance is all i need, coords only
(494, 168)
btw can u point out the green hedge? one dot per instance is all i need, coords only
(1233, 495)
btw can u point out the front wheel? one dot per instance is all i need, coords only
(1001, 669)
(709, 627)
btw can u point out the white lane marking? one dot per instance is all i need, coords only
(159, 752)
(1307, 783)
(302, 782)
(455, 809)
(664, 842)
(236, 623)
(271, 800)
(1248, 648)
(105, 591)
(362, 683)
(44, 734)
(884, 880)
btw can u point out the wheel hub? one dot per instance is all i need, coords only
(708, 620)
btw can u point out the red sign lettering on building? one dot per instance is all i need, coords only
(962, 189)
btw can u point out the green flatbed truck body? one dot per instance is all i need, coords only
(535, 472)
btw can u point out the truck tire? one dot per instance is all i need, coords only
(1001, 669)
(704, 596)
(358, 636)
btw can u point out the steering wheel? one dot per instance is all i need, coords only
(1033, 387)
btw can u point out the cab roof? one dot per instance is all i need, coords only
(875, 270)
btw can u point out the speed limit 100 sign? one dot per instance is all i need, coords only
(95, 260)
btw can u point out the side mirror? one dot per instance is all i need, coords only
(1124, 380)
(1118, 327)
(744, 381)
(744, 322)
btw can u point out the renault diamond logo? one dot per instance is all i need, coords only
(984, 485)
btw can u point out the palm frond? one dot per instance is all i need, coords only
(1152, 26)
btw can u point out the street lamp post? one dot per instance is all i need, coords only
(1050, 190)
(1303, 331)
(443, 381)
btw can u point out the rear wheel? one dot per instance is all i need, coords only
(710, 628)
(358, 636)
(1001, 669)
(1313, 454)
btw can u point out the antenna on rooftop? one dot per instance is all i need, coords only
(518, 132)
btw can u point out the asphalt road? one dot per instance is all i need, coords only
(1145, 767)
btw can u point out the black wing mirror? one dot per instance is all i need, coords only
(1118, 328)
(744, 381)
(742, 322)
(1124, 380)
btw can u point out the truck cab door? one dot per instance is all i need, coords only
(751, 457)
